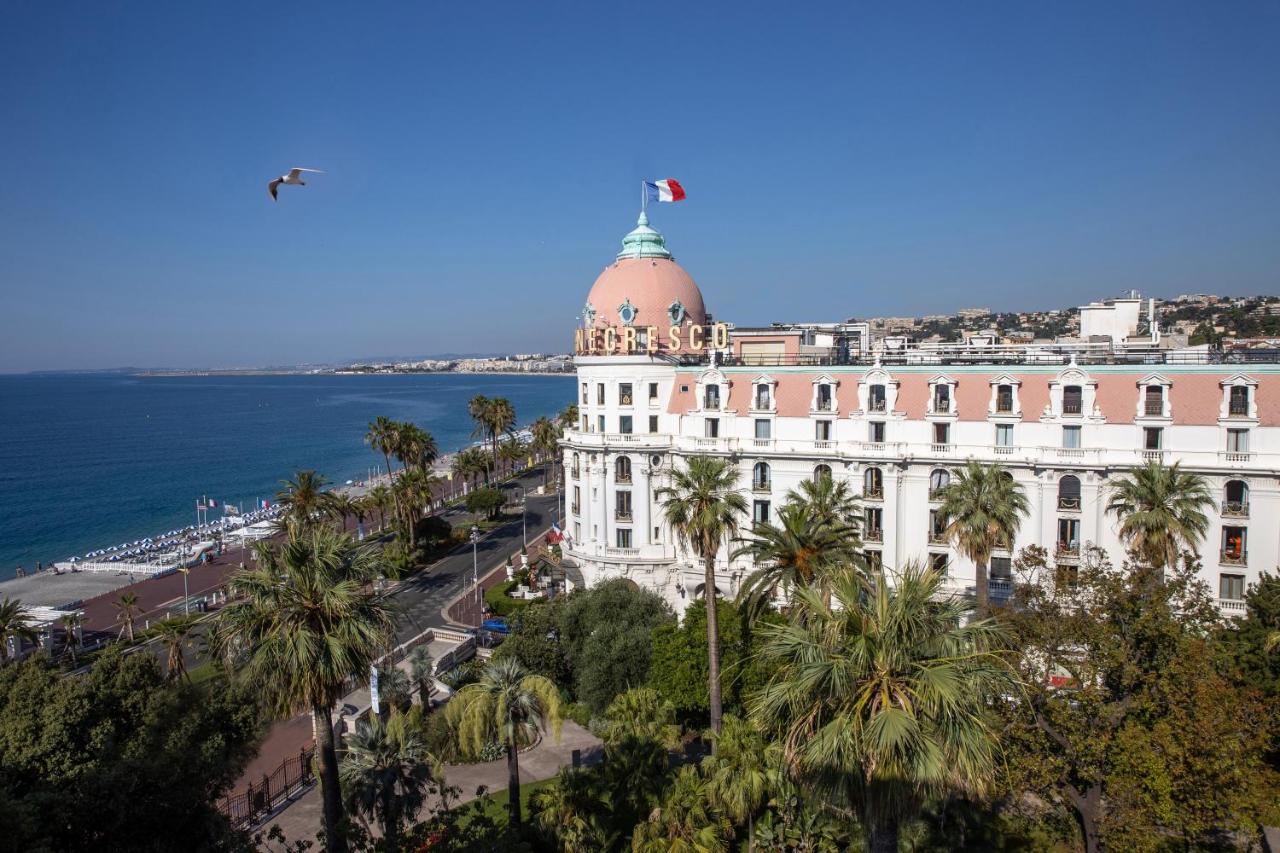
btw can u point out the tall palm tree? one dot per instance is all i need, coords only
(702, 507)
(309, 620)
(173, 634)
(480, 408)
(501, 417)
(568, 417)
(470, 464)
(305, 499)
(800, 550)
(386, 774)
(421, 670)
(546, 438)
(512, 452)
(739, 775)
(127, 611)
(380, 497)
(383, 435)
(686, 822)
(71, 624)
(832, 503)
(1161, 510)
(881, 698)
(510, 705)
(416, 488)
(415, 447)
(984, 508)
(13, 626)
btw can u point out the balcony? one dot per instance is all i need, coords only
(574, 509)
(1070, 452)
(1238, 409)
(1235, 456)
(1004, 449)
(762, 404)
(621, 477)
(761, 486)
(1235, 509)
(1072, 408)
(824, 406)
(873, 495)
(1233, 557)
(938, 407)
(1067, 552)
(762, 443)
(876, 406)
(1232, 607)
(938, 537)
(1153, 408)
(575, 473)
(823, 443)
(622, 552)
(876, 535)
(937, 494)
(621, 514)
(941, 449)
(1151, 455)
(1068, 504)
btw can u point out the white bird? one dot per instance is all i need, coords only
(294, 177)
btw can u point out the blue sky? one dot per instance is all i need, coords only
(483, 162)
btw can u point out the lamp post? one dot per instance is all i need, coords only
(524, 529)
(186, 599)
(475, 566)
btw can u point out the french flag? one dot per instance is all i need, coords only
(667, 190)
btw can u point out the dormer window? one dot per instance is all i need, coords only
(711, 397)
(1072, 400)
(627, 313)
(825, 398)
(1238, 405)
(876, 398)
(1153, 401)
(1004, 399)
(942, 399)
(763, 396)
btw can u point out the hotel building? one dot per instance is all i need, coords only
(660, 380)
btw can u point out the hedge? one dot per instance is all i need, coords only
(502, 604)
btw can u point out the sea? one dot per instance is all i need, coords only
(92, 460)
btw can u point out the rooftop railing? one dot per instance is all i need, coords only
(1083, 354)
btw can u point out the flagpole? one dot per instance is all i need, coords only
(644, 198)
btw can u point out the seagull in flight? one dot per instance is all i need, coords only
(294, 177)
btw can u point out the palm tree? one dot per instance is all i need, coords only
(421, 670)
(508, 704)
(386, 774)
(800, 550)
(304, 498)
(127, 612)
(71, 623)
(416, 488)
(13, 626)
(739, 775)
(984, 508)
(394, 688)
(832, 503)
(570, 810)
(341, 507)
(1161, 510)
(703, 509)
(309, 621)
(512, 452)
(173, 633)
(479, 408)
(546, 438)
(642, 714)
(384, 436)
(686, 822)
(881, 698)
(381, 499)
(501, 417)
(415, 447)
(470, 464)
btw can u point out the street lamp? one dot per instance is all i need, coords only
(186, 599)
(524, 529)
(475, 563)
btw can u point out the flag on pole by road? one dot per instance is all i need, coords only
(668, 189)
(554, 536)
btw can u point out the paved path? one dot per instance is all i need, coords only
(302, 819)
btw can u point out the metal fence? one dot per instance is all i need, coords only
(259, 799)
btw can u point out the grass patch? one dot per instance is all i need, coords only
(494, 803)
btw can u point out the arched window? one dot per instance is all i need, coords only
(577, 467)
(939, 479)
(1069, 492)
(820, 472)
(1236, 498)
(622, 469)
(760, 476)
(873, 483)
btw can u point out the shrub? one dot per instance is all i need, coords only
(486, 502)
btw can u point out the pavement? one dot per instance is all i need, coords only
(301, 820)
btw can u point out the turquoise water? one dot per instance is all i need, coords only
(90, 461)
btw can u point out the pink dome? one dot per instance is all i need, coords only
(644, 287)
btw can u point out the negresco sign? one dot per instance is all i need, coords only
(630, 340)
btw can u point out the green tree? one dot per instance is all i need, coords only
(395, 688)
(127, 611)
(984, 508)
(386, 774)
(546, 440)
(118, 759)
(14, 626)
(1161, 511)
(310, 621)
(509, 705)
(421, 670)
(487, 502)
(568, 417)
(71, 624)
(739, 775)
(471, 464)
(798, 551)
(606, 635)
(571, 811)
(880, 698)
(415, 447)
(500, 417)
(686, 822)
(383, 436)
(535, 640)
(832, 504)
(703, 507)
(642, 714)
(304, 499)
(680, 662)
(1119, 681)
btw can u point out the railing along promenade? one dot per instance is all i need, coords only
(259, 799)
